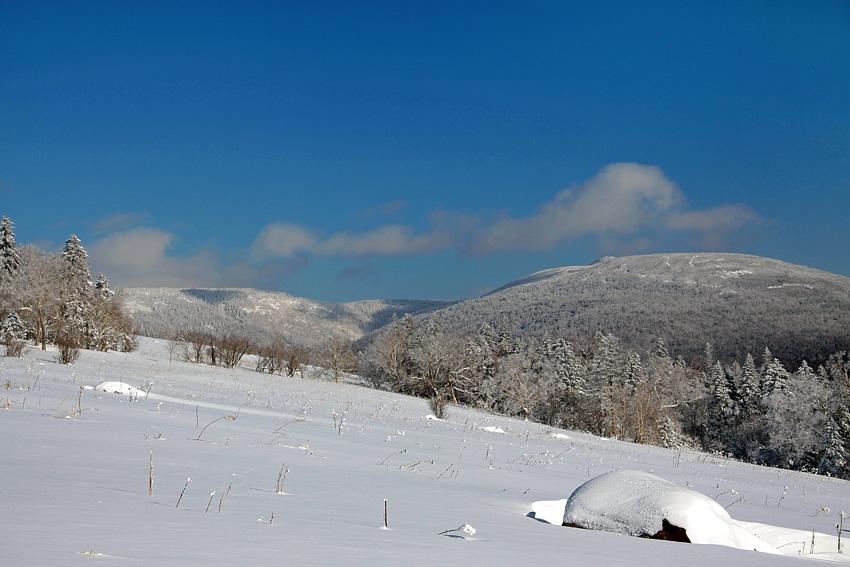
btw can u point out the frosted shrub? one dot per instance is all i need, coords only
(69, 349)
(438, 406)
(14, 348)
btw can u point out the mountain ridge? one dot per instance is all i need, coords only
(740, 303)
(168, 312)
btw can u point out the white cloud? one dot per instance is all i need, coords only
(620, 204)
(622, 198)
(625, 208)
(724, 218)
(388, 240)
(119, 221)
(138, 257)
(282, 240)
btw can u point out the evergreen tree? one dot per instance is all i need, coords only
(660, 349)
(774, 377)
(634, 373)
(77, 261)
(506, 340)
(708, 354)
(75, 293)
(766, 357)
(833, 461)
(720, 407)
(101, 286)
(669, 437)
(568, 368)
(488, 334)
(10, 260)
(748, 388)
(11, 328)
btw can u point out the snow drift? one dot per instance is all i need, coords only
(641, 504)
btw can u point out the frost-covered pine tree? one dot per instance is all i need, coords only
(507, 344)
(833, 461)
(721, 408)
(10, 260)
(11, 328)
(748, 387)
(805, 372)
(76, 292)
(101, 287)
(660, 349)
(568, 368)
(610, 359)
(669, 437)
(708, 355)
(634, 373)
(774, 377)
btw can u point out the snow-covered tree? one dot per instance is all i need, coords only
(12, 328)
(36, 289)
(10, 259)
(838, 366)
(721, 408)
(833, 460)
(774, 377)
(76, 293)
(634, 373)
(748, 386)
(108, 325)
(101, 287)
(568, 368)
(515, 389)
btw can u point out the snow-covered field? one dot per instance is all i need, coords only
(297, 471)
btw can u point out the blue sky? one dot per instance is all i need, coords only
(344, 151)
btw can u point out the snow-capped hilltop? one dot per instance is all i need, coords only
(739, 303)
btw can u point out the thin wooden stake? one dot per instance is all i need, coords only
(386, 524)
(150, 478)
(222, 498)
(188, 480)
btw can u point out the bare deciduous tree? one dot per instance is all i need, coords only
(195, 346)
(231, 349)
(337, 358)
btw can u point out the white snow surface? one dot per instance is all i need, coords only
(75, 464)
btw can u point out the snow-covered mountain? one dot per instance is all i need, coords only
(166, 312)
(739, 303)
(193, 465)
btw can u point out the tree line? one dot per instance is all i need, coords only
(761, 413)
(52, 298)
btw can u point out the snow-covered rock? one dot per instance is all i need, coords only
(638, 503)
(118, 388)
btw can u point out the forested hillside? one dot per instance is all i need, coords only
(261, 315)
(739, 303)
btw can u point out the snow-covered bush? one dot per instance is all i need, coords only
(12, 333)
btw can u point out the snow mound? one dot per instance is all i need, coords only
(641, 504)
(117, 388)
